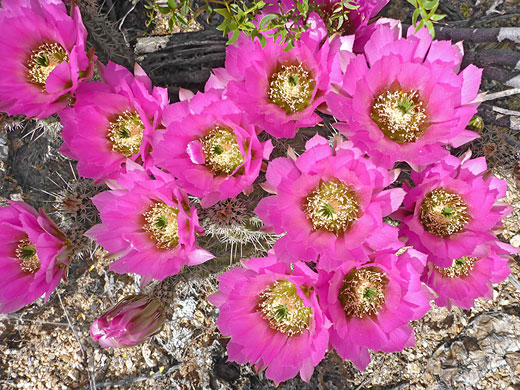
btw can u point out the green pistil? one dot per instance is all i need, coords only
(443, 213)
(333, 206)
(291, 88)
(370, 293)
(406, 105)
(161, 224)
(218, 150)
(400, 115)
(282, 308)
(42, 62)
(461, 267)
(447, 212)
(27, 256)
(221, 151)
(327, 210)
(281, 312)
(125, 133)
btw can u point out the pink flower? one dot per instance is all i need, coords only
(278, 90)
(210, 147)
(328, 201)
(149, 224)
(452, 208)
(469, 277)
(272, 315)
(43, 56)
(133, 320)
(371, 305)
(403, 99)
(112, 121)
(34, 256)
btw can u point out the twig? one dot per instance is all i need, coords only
(91, 378)
(135, 379)
(509, 58)
(495, 118)
(504, 76)
(479, 35)
(501, 94)
(504, 111)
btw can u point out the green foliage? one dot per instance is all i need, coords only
(239, 15)
(179, 10)
(426, 9)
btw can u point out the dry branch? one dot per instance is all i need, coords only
(479, 35)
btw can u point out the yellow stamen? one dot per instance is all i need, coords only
(42, 62)
(280, 305)
(161, 224)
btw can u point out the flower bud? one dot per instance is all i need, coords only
(131, 321)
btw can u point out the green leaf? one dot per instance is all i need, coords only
(431, 29)
(172, 4)
(430, 4)
(163, 10)
(199, 11)
(412, 2)
(224, 12)
(266, 20)
(262, 39)
(415, 16)
(181, 20)
(233, 38)
(437, 17)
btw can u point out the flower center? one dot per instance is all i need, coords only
(399, 115)
(332, 206)
(461, 267)
(291, 88)
(280, 305)
(443, 213)
(363, 292)
(126, 133)
(221, 151)
(42, 62)
(161, 224)
(27, 256)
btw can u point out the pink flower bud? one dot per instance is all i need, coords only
(131, 321)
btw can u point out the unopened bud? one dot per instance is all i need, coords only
(476, 124)
(131, 321)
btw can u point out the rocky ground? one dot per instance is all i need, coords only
(47, 345)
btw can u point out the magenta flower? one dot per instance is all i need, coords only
(103, 136)
(371, 305)
(34, 256)
(149, 224)
(403, 99)
(272, 315)
(43, 56)
(131, 321)
(469, 277)
(328, 201)
(278, 90)
(452, 208)
(210, 147)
